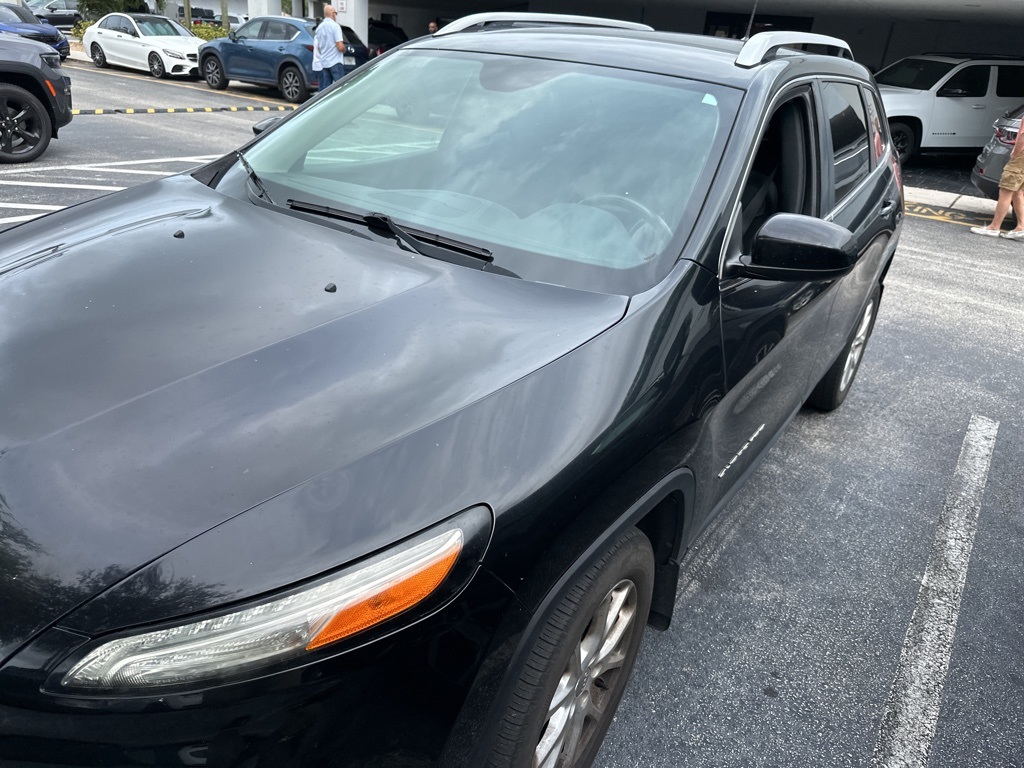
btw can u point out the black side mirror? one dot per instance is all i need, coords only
(232, 36)
(266, 124)
(794, 248)
(952, 92)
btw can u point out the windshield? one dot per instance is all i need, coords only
(155, 26)
(15, 14)
(571, 174)
(919, 74)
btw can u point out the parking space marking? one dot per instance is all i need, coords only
(179, 110)
(32, 206)
(60, 185)
(944, 214)
(912, 710)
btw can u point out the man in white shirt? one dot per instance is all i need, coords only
(329, 49)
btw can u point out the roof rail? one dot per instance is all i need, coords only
(480, 21)
(764, 45)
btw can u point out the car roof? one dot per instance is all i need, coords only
(697, 57)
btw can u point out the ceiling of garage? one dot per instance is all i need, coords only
(971, 11)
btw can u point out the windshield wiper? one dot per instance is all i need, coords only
(254, 178)
(427, 244)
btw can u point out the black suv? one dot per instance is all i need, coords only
(380, 441)
(35, 98)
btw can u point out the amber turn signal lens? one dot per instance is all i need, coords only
(402, 592)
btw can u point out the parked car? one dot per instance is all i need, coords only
(19, 21)
(199, 15)
(380, 441)
(154, 44)
(383, 37)
(232, 21)
(272, 50)
(993, 158)
(35, 101)
(946, 102)
(60, 13)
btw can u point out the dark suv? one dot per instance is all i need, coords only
(35, 98)
(380, 441)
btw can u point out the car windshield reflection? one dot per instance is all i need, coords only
(580, 175)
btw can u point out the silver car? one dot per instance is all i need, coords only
(992, 160)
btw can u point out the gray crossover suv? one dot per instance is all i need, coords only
(35, 98)
(992, 160)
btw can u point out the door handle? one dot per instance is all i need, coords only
(978, 106)
(887, 207)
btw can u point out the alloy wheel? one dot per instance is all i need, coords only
(590, 679)
(857, 347)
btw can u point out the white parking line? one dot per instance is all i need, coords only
(115, 165)
(33, 206)
(17, 219)
(59, 185)
(912, 710)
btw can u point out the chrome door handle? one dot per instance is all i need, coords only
(978, 106)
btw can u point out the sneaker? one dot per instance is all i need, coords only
(1013, 234)
(986, 231)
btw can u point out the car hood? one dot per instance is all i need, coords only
(173, 357)
(24, 28)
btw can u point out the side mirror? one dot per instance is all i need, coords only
(955, 92)
(266, 124)
(232, 36)
(794, 248)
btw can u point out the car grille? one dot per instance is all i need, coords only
(193, 57)
(43, 38)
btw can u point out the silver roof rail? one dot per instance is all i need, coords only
(764, 45)
(482, 20)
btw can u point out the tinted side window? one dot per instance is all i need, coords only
(973, 81)
(849, 129)
(279, 30)
(876, 135)
(109, 23)
(250, 31)
(1010, 81)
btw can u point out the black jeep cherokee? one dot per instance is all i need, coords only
(35, 98)
(379, 442)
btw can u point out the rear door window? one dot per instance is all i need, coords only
(969, 81)
(848, 128)
(1010, 81)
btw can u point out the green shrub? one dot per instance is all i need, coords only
(209, 33)
(79, 29)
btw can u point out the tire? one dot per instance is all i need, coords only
(831, 391)
(904, 140)
(25, 126)
(291, 85)
(98, 57)
(156, 66)
(213, 73)
(572, 681)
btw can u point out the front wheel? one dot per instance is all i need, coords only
(156, 65)
(291, 85)
(831, 391)
(213, 73)
(576, 672)
(904, 140)
(25, 127)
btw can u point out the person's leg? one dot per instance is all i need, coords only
(1017, 202)
(337, 72)
(1002, 208)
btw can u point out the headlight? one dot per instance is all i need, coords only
(51, 60)
(174, 54)
(60, 35)
(286, 628)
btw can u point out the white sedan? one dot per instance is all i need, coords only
(155, 44)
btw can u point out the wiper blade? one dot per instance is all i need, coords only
(254, 178)
(424, 243)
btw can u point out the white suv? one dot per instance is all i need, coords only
(948, 101)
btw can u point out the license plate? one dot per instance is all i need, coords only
(349, 61)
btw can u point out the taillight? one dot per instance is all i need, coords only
(308, 47)
(1006, 136)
